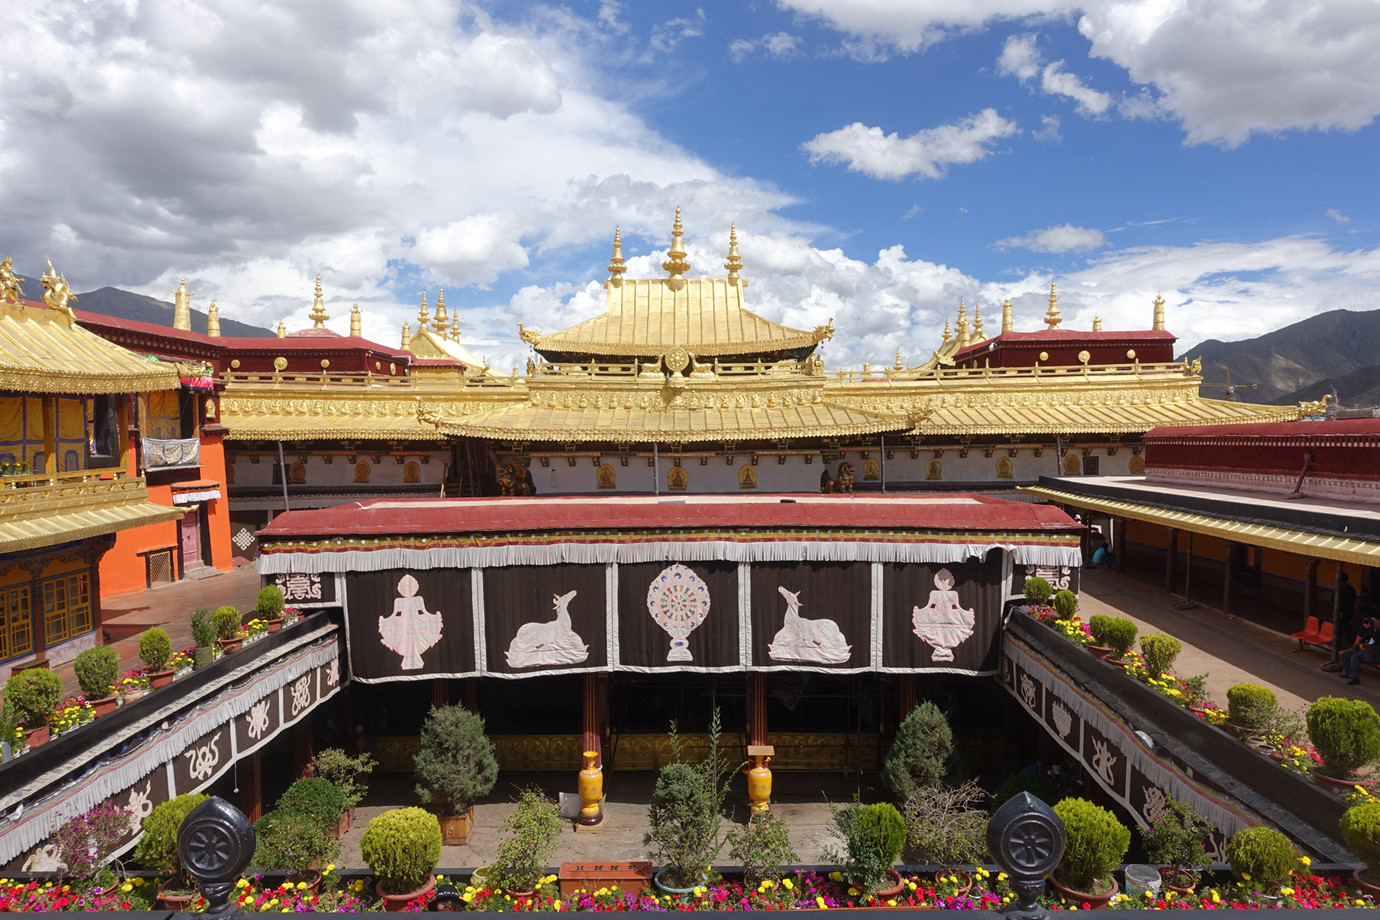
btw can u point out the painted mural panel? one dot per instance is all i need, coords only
(405, 623)
(814, 615)
(543, 619)
(678, 616)
(942, 616)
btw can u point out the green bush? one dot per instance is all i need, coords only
(155, 648)
(286, 841)
(157, 849)
(947, 825)
(1262, 853)
(314, 798)
(203, 629)
(761, 847)
(873, 837)
(96, 670)
(1119, 634)
(455, 764)
(919, 757)
(402, 846)
(525, 853)
(1037, 782)
(1251, 705)
(227, 622)
(1159, 652)
(1179, 838)
(1038, 591)
(1095, 844)
(344, 772)
(686, 812)
(1065, 604)
(34, 694)
(270, 603)
(1097, 627)
(1346, 734)
(1360, 826)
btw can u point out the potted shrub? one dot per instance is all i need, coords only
(1097, 628)
(316, 799)
(269, 607)
(155, 648)
(292, 843)
(1120, 634)
(97, 669)
(1261, 856)
(1159, 651)
(686, 813)
(86, 843)
(1177, 843)
(1347, 736)
(873, 837)
(203, 638)
(1250, 707)
(524, 854)
(402, 846)
(1065, 604)
(947, 825)
(1095, 844)
(761, 847)
(34, 694)
(157, 849)
(1360, 826)
(347, 774)
(1038, 591)
(919, 756)
(227, 622)
(455, 765)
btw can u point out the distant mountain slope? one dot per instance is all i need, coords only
(1329, 346)
(1359, 389)
(125, 305)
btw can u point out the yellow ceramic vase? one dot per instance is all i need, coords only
(591, 790)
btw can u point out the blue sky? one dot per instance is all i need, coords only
(881, 159)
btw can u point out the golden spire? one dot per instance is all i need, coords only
(898, 365)
(355, 322)
(964, 338)
(213, 320)
(406, 336)
(1008, 322)
(422, 316)
(281, 330)
(182, 306)
(946, 329)
(1159, 313)
(734, 264)
(455, 325)
(438, 322)
(676, 265)
(616, 266)
(978, 335)
(1052, 317)
(1097, 324)
(318, 315)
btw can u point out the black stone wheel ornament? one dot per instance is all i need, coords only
(215, 844)
(1026, 839)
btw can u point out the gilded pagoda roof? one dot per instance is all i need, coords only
(44, 350)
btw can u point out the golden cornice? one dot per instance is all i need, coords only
(37, 511)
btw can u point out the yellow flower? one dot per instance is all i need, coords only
(330, 867)
(819, 899)
(912, 886)
(126, 887)
(1001, 877)
(789, 885)
(853, 891)
(835, 876)
(1306, 861)
(301, 886)
(1216, 898)
(891, 902)
(1286, 891)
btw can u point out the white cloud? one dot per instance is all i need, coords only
(778, 45)
(1021, 59)
(667, 35)
(1049, 129)
(916, 24)
(928, 152)
(1065, 238)
(1338, 216)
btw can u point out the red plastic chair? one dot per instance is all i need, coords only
(1324, 639)
(1309, 633)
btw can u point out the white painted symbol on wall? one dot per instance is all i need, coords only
(410, 630)
(550, 643)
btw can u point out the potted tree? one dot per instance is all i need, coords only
(1065, 604)
(873, 837)
(1261, 856)
(203, 638)
(1038, 591)
(155, 648)
(1177, 843)
(761, 847)
(292, 843)
(920, 754)
(402, 847)
(1120, 634)
(316, 799)
(524, 854)
(1347, 736)
(1095, 844)
(227, 623)
(1250, 708)
(947, 826)
(96, 669)
(455, 765)
(686, 812)
(1360, 826)
(1097, 628)
(157, 849)
(1159, 651)
(269, 607)
(347, 774)
(34, 694)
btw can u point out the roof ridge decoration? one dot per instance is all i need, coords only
(734, 263)
(318, 315)
(455, 325)
(978, 334)
(438, 323)
(676, 264)
(616, 266)
(1158, 323)
(182, 306)
(1052, 317)
(356, 323)
(213, 321)
(10, 291)
(422, 316)
(964, 338)
(57, 293)
(1008, 320)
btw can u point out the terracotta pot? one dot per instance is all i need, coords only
(456, 830)
(1167, 876)
(33, 737)
(965, 881)
(105, 705)
(177, 902)
(665, 888)
(133, 693)
(890, 891)
(311, 876)
(1089, 900)
(1332, 784)
(1103, 652)
(1366, 887)
(160, 679)
(399, 902)
(274, 625)
(230, 645)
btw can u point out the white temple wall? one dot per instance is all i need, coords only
(340, 471)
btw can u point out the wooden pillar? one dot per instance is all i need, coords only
(907, 696)
(1310, 591)
(301, 748)
(251, 787)
(469, 693)
(757, 708)
(1171, 561)
(595, 715)
(1229, 579)
(50, 433)
(1336, 611)
(1121, 551)
(440, 692)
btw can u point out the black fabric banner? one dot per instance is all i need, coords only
(410, 623)
(551, 618)
(811, 615)
(678, 617)
(944, 616)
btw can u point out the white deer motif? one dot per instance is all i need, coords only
(550, 643)
(800, 639)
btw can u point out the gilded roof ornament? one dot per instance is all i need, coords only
(1052, 317)
(898, 365)
(1097, 324)
(616, 266)
(438, 322)
(182, 306)
(213, 320)
(57, 293)
(676, 264)
(734, 264)
(422, 316)
(455, 325)
(356, 322)
(1008, 321)
(947, 334)
(428, 415)
(1318, 407)
(406, 336)
(824, 332)
(964, 337)
(1159, 313)
(318, 315)
(530, 336)
(280, 330)
(978, 335)
(10, 292)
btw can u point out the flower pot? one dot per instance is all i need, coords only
(160, 679)
(176, 901)
(33, 737)
(399, 902)
(230, 645)
(1169, 875)
(105, 705)
(890, 891)
(1332, 783)
(667, 889)
(456, 830)
(1090, 900)
(1103, 652)
(342, 826)
(311, 876)
(965, 881)
(1361, 877)
(1242, 732)
(132, 693)
(202, 656)
(480, 878)
(274, 625)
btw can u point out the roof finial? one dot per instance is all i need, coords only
(182, 306)
(616, 266)
(1097, 323)
(946, 329)
(356, 321)
(1008, 322)
(422, 316)
(734, 264)
(318, 308)
(280, 330)
(964, 338)
(898, 365)
(1052, 317)
(676, 265)
(406, 336)
(1159, 313)
(455, 325)
(439, 321)
(978, 335)
(213, 320)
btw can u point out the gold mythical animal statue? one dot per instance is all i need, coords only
(428, 415)
(1317, 407)
(843, 483)
(10, 292)
(57, 293)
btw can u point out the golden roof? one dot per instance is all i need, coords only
(61, 508)
(426, 343)
(43, 350)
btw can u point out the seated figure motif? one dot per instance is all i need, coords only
(943, 623)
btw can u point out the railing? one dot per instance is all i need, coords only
(942, 374)
(28, 497)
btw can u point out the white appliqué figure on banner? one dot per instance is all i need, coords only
(553, 642)
(800, 639)
(678, 601)
(410, 630)
(943, 623)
